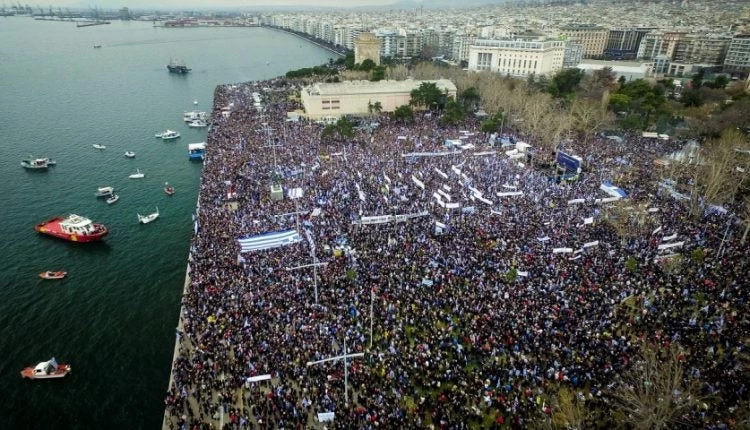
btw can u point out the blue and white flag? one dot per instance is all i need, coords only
(270, 240)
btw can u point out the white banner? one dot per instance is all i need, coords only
(326, 416)
(607, 200)
(441, 173)
(589, 220)
(668, 238)
(509, 194)
(590, 244)
(419, 183)
(429, 154)
(561, 250)
(658, 229)
(670, 245)
(452, 205)
(575, 201)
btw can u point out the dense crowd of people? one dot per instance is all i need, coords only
(490, 287)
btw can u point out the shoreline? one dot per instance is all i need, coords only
(307, 39)
(177, 343)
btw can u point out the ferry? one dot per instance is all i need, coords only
(46, 370)
(37, 163)
(177, 66)
(74, 228)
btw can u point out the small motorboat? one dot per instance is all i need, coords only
(130, 154)
(37, 163)
(145, 219)
(197, 123)
(104, 191)
(113, 199)
(97, 46)
(170, 135)
(97, 146)
(46, 370)
(168, 190)
(136, 175)
(52, 275)
(195, 102)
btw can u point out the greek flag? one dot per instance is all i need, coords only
(269, 240)
(53, 363)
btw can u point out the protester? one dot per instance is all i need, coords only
(476, 310)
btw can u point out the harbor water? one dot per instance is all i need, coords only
(113, 318)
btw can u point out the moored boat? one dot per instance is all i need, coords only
(169, 190)
(113, 199)
(198, 123)
(104, 191)
(145, 219)
(197, 151)
(97, 146)
(169, 135)
(46, 370)
(194, 115)
(136, 175)
(74, 228)
(52, 275)
(37, 163)
(130, 154)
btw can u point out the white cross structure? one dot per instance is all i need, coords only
(346, 368)
(315, 273)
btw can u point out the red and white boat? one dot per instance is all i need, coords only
(169, 190)
(46, 370)
(52, 275)
(74, 228)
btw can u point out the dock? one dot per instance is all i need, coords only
(92, 23)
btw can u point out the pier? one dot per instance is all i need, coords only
(89, 24)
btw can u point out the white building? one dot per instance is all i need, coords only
(332, 100)
(517, 57)
(631, 70)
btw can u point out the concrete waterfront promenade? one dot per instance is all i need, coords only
(470, 287)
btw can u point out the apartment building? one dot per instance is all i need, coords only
(710, 49)
(737, 60)
(517, 57)
(592, 37)
(623, 43)
(659, 43)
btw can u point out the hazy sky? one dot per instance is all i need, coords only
(183, 4)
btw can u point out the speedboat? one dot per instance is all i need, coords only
(113, 199)
(169, 190)
(104, 191)
(198, 123)
(136, 175)
(97, 46)
(193, 115)
(169, 135)
(145, 219)
(130, 154)
(97, 146)
(46, 370)
(74, 228)
(37, 163)
(52, 275)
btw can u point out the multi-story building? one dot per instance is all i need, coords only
(517, 57)
(623, 43)
(410, 43)
(592, 37)
(573, 54)
(461, 43)
(737, 61)
(389, 40)
(659, 43)
(710, 49)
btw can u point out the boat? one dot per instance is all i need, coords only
(104, 191)
(145, 219)
(130, 154)
(198, 123)
(97, 46)
(136, 175)
(37, 163)
(97, 146)
(46, 370)
(113, 199)
(194, 115)
(74, 228)
(195, 102)
(169, 190)
(177, 66)
(52, 275)
(197, 151)
(168, 135)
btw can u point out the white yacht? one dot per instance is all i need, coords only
(136, 175)
(198, 123)
(130, 154)
(194, 115)
(97, 146)
(170, 135)
(104, 191)
(113, 199)
(145, 219)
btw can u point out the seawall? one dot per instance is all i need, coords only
(309, 39)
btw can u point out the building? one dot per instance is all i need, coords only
(517, 57)
(702, 49)
(573, 54)
(737, 61)
(631, 70)
(592, 37)
(622, 44)
(389, 42)
(659, 43)
(332, 100)
(367, 47)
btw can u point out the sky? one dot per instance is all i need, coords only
(204, 4)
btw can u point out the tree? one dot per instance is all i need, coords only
(377, 74)
(697, 80)
(717, 177)
(565, 82)
(341, 130)
(367, 65)
(654, 393)
(454, 113)
(377, 107)
(720, 82)
(470, 98)
(403, 113)
(692, 98)
(428, 95)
